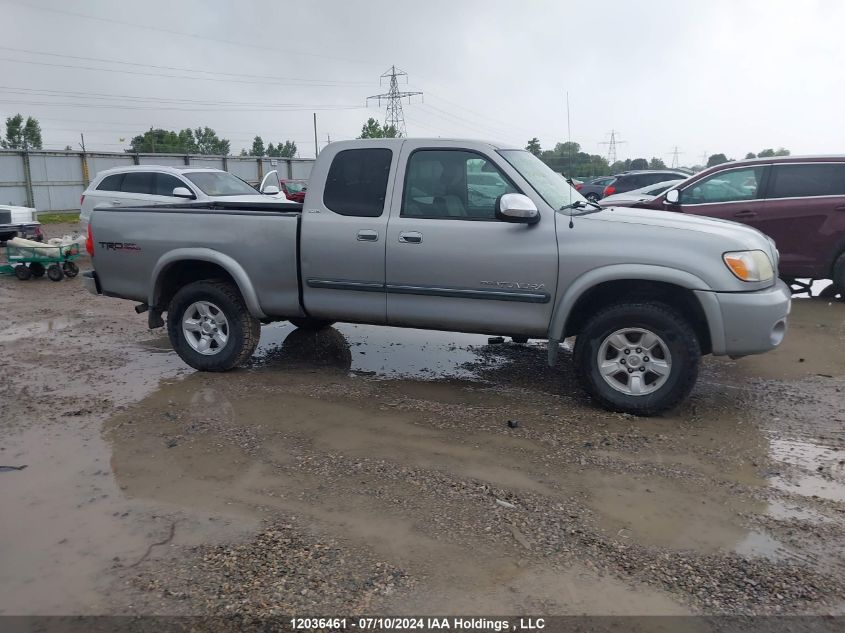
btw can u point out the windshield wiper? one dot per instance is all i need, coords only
(580, 204)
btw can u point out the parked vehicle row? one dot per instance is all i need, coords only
(604, 186)
(405, 232)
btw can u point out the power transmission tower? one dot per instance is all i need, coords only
(394, 115)
(675, 160)
(611, 146)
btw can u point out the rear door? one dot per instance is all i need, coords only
(343, 234)
(136, 188)
(451, 264)
(805, 215)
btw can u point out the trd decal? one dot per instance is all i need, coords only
(119, 246)
(513, 285)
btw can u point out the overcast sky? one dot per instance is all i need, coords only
(726, 76)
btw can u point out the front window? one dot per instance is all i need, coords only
(733, 185)
(453, 184)
(550, 185)
(219, 183)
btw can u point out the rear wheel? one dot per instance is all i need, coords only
(307, 323)
(37, 269)
(54, 272)
(839, 274)
(22, 272)
(639, 358)
(210, 327)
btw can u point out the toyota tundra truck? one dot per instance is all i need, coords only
(452, 235)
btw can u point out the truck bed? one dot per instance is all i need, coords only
(257, 244)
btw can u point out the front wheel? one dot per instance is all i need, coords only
(639, 358)
(54, 272)
(210, 327)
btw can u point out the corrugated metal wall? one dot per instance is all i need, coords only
(55, 180)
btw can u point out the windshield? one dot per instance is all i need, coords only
(550, 185)
(220, 183)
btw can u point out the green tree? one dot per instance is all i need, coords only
(271, 151)
(186, 141)
(373, 129)
(22, 134)
(639, 163)
(750, 155)
(257, 147)
(157, 141)
(286, 150)
(656, 163)
(569, 159)
(716, 159)
(782, 151)
(209, 143)
(534, 146)
(766, 153)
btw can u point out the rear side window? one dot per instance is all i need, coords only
(137, 182)
(804, 181)
(111, 183)
(165, 184)
(357, 182)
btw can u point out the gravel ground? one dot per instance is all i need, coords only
(374, 470)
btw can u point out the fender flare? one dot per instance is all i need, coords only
(206, 255)
(640, 272)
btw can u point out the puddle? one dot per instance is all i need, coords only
(380, 350)
(784, 511)
(27, 330)
(813, 469)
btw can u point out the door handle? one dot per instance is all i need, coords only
(115, 202)
(841, 208)
(747, 213)
(410, 237)
(367, 235)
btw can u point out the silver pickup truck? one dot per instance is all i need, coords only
(452, 235)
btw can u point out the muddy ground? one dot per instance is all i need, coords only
(373, 470)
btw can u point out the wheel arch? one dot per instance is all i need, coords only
(182, 266)
(684, 291)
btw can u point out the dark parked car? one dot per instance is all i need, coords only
(636, 179)
(593, 190)
(797, 201)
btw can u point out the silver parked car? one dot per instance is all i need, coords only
(643, 194)
(139, 185)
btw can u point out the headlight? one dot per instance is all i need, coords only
(750, 265)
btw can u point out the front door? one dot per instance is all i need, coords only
(343, 236)
(451, 264)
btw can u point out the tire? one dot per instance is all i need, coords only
(54, 272)
(37, 269)
(307, 323)
(70, 269)
(666, 377)
(839, 274)
(521, 340)
(22, 272)
(832, 293)
(239, 328)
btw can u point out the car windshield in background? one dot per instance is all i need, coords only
(215, 183)
(295, 186)
(551, 186)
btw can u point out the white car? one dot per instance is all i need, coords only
(643, 194)
(158, 184)
(19, 222)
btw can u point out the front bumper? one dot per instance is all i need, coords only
(750, 322)
(91, 282)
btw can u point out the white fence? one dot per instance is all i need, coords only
(55, 180)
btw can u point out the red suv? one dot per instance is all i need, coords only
(797, 201)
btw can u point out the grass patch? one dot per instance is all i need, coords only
(58, 218)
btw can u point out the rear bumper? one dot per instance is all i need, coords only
(29, 231)
(91, 282)
(751, 322)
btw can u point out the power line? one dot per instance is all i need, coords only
(394, 116)
(189, 109)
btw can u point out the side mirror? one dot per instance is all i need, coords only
(270, 190)
(183, 192)
(516, 207)
(672, 197)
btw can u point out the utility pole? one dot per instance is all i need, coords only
(394, 116)
(675, 160)
(316, 148)
(611, 146)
